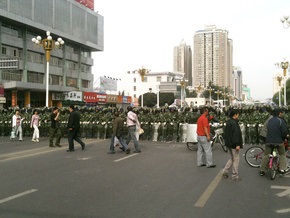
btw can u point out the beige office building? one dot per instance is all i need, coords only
(182, 61)
(213, 58)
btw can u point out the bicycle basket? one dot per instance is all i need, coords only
(219, 131)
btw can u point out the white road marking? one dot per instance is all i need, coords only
(34, 152)
(132, 155)
(284, 193)
(13, 156)
(283, 210)
(84, 158)
(18, 195)
(210, 189)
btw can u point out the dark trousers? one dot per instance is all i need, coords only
(54, 133)
(73, 135)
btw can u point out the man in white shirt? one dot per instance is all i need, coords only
(132, 124)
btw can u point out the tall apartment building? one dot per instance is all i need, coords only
(213, 59)
(182, 61)
(23, 73)
(237, 82)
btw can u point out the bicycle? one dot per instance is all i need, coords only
(217, 138)
(254, 155)
(273, 162)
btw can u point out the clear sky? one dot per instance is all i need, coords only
(144, 32)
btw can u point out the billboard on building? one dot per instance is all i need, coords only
(108, 84)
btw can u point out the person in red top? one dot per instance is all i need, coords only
(203, 140)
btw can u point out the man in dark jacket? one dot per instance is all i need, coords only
(73, 126)
(234, 141)
(276, 134)
(118, 133)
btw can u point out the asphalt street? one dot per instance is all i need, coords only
(161, 181)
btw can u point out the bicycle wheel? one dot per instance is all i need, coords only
(223, 144)
(254, 155)
(288, 161)
(273, 169)
(288, 157)
(192, 146)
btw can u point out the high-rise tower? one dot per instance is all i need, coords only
(182, 61)
(213, 58)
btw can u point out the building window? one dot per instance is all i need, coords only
(158, 78)
(135, 79)
(85, 54)
(71, 65)
(85, 83)
(11, 75)
(11, 30)
(56, 61)
(35, 57)
(134, 88)
(71, 82)
(4, 50)
(84, 68)
(35, 77)
(55, 80)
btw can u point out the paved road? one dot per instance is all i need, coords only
(162, 181)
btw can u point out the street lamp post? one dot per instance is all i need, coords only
(182, 91)
(48, 44)
(279, 78)
(142, 72)
(285, 21)
(210, 91)
(218, 95)
(284, 66)
(158, 93)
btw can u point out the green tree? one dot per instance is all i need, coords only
(189, 94)
(166, 98)
(275, 97)
(149, 99)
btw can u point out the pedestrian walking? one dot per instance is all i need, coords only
(203, 140)
(55, 131)
(132, 124)
(118, 133)
(35, 124)
(73, 127)
(17, 124)
(234, 141)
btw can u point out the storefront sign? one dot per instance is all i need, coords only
(101, 97)
(73, 96)
(1, 90)
(90, 97)
(120, 99)
(57, 96)
(125, 99)
(2, 100)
